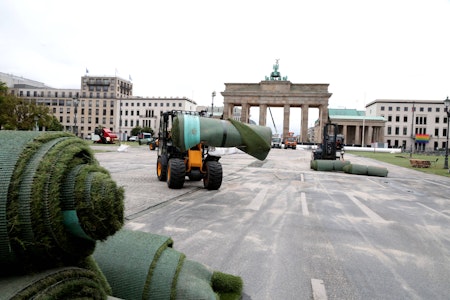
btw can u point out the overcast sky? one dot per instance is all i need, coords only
(365, 50)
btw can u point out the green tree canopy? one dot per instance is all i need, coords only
(17, 114)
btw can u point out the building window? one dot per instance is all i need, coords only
(180, 104)
(421, 109)
(405, 119)
(405, 130)
(389, 118)
(382, 108)
(390, 108)
(389, 130)
(397, 118)
(397, 131)
(429, 109)
(405, 108)
(436, 131)
(438, 109)
(436, 120)
(444, 132)
(397, 108)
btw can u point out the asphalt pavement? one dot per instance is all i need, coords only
(294, 233)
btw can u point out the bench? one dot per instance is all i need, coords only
(420, 163)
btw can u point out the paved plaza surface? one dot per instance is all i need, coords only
(294, 233)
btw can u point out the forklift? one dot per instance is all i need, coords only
(331, 144)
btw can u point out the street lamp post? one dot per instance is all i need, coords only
(36, 126)
(447, 104)
(212, 104)
(75, 128)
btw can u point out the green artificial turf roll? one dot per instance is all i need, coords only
(128, 260)
(313, 164)
(355, 169)
(227, 286)
(189, 130)
(60, 283)
(10, 148)
(324, 165)
(377, 171)
(154, 270)
(255, 139)
(338, 165)
(365, 170)
(52, 216)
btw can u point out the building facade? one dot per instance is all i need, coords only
(358, 128)
(102, 101)
(414, 125)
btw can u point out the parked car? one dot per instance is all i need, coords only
(133, 138)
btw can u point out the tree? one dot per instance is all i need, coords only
(136, 130)
(17, 114)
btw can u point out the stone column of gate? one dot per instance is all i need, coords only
(323, 115)
(286, 114)
(245, 112)
(262, 114)
(227, 111)
(304, 123)
(344, 132)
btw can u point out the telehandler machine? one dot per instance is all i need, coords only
(186, 141)
(173, 164)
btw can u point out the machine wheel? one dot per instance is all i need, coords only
(213, 177)
(176, 173)
(151, 146)
(161, 168)
(195, 175)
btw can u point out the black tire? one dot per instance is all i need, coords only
(195, 175)
(161, 168)
(213, 177)
(176, 173)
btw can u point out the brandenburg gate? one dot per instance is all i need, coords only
(277, 91)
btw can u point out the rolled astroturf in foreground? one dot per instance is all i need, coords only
(152, 269)
(55, 201)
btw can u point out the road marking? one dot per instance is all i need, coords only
(258, 200)
(370, 213)
(435, 211)
(305, 210)
(318, 289)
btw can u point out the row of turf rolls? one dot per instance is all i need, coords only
(347, 167)
(60, 212)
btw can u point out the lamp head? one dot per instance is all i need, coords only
(447, 102)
